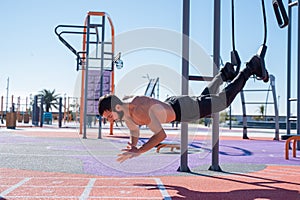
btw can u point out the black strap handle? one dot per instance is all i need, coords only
(235, 60)
(280, 13)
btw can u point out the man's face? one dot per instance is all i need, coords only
(110, 116)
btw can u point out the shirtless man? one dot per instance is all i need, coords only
(148, 111)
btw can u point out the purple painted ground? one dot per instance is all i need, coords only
(98, 157)
(233, 152)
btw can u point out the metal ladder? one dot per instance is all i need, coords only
(272, 85)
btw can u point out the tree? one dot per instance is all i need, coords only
(50, 99)
(261, 110)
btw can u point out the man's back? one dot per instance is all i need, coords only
(141, 109)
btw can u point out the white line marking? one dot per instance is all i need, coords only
(37, 155)
(75, 186)
(162, 189)
(130, 198)
(41, 197)
(81, 178)
(5, 192)
(88, 189)
(76, 197)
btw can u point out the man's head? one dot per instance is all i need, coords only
(107, 105)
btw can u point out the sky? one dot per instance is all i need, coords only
(33, 58)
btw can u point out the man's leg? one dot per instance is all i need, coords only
(227, 73)
(212, 103)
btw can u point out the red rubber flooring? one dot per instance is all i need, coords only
(274, 182)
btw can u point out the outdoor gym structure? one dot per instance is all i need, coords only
(97, 77)
(91, 37)
(282, 20)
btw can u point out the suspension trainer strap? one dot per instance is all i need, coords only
(235, 58)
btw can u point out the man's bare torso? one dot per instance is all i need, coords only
(143, 108)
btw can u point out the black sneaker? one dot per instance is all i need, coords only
(228, 72)
(258, 69)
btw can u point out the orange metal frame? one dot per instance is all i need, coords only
(102, 14)
(294, 139)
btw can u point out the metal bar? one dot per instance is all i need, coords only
(42, 111)
(184, 83)
(259, 102)
(272, 80)
(86, 77)
(259, 90)
(216, 53)
(200, 78)
(293, 119)
(82, 100)
(291, 4)
(93, 42)
(96, 25)
(70, 26)
(245, 136)
(72, 32)
(67, 26)
(102, 69)
(112, 63)
(100, 58)
(288, 90)
(298, 85)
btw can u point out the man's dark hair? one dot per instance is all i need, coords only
(108, 102)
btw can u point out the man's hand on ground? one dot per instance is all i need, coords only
(130, 152)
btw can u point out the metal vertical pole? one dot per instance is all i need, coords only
(7, 89)
(216, 53)
(86, 77)
(101, 71)
(272, 82)
(288, 91)
(35, 114)
(2, 112)
(42, 111)
(245, 136)
(298, 86)
(185, 83)
(60, 113)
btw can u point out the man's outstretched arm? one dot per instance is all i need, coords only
(153, 141)
(134, 151)
(134, 133)
(156, 127)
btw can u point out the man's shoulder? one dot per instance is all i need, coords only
(140, 99)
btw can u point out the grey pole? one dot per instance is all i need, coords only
(272, 83)
(101, 71)
(42, 111)
(298, 86)
(7, 89)
(288, 91)
(184, 83)
(86, 77)
(216, 53)
(59, 111)
(298, 75)
(245, 136)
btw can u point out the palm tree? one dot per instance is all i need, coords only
(50, 99)
(261, 110)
